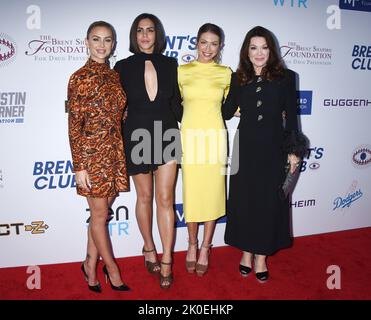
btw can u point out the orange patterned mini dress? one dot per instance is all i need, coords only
(96, 104)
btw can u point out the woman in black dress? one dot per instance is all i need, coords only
(258, 220)
(151, 135)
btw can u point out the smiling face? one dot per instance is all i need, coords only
(100, 43)
(208, 47)
(146, 35)
(258, 53)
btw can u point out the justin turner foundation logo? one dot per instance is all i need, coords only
(8, 50)
(12, 107)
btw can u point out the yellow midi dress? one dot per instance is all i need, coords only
(203, 87)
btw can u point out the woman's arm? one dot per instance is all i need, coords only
(76, 123)
(230, 104)
(176, 101)
(295, 143)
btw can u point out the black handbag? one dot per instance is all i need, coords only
(293, 143)
(289, 183)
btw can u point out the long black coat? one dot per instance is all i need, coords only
(258, 220)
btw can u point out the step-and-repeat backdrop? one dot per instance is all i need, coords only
(327, 42)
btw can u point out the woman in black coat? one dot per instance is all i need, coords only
(258, 220)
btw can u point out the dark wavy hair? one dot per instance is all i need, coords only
(274, 68)
(160, 40)
(213, 28)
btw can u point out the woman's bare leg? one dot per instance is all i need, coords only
(164, 185)
(92, 254)
(100, 238)
(209, 227)
(143, 210)
(192, 241)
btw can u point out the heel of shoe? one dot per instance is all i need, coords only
(96, 288)
(166, 281)
(84, 272)
(201, 269)
(122, 287)
(105, 272)
(152, 267)
(191, 264)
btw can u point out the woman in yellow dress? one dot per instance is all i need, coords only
(203, 85)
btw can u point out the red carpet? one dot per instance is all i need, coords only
(296, 273)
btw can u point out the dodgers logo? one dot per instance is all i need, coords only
(349, 198)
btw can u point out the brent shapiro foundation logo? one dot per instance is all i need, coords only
(8, 49)
(306, 54)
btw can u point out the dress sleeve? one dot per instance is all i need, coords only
(290, 103)
(230, 104)
(295, 142)
(176, 101)
(227, 88)
(118, 67)
(76, 124)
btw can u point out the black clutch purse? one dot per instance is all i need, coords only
(289, 183)
(293, 143)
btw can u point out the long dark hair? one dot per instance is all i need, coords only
(213, 28)
(274, 68)
(160, 40)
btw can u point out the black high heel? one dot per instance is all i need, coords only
(97, 288)
(262, 277)
(244, 270)
(122, 287)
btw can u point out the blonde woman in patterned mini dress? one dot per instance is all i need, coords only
(96, 104)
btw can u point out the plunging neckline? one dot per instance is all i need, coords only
(144, 80)
(149, 57)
